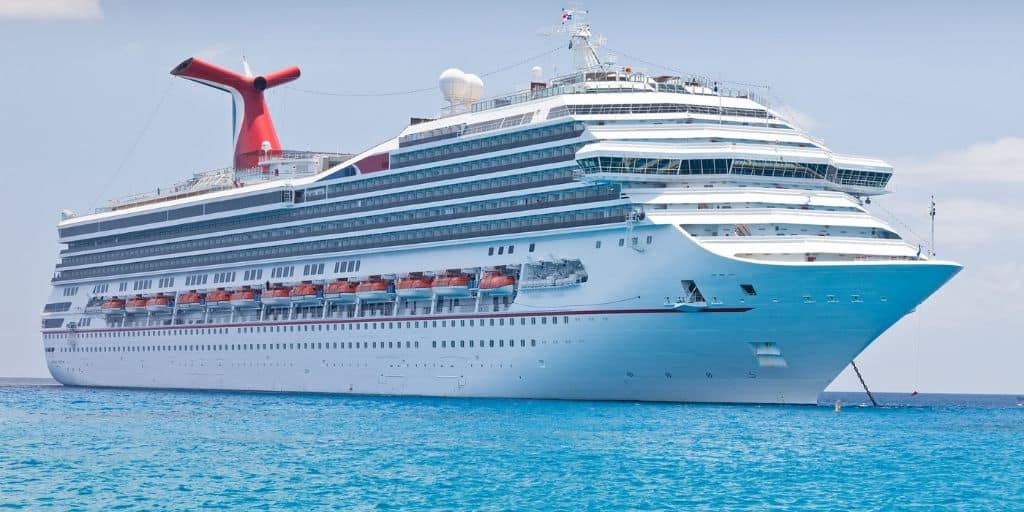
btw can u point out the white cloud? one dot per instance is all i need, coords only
(51, 9)
(999, 161)
(215, 52)
(802, 120)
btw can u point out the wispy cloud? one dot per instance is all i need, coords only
(999, 161)
(802, 120)
(216, 52)
(45, 10)
(977, 188)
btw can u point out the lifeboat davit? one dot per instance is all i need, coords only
(305, 293)
(276, 296)
(158, 304)
(415, 287)
(112, 306)
(244, 298)
(190, 300)
(340, 291)
(219, 298)
(452, 286)
(135, 305)
(373, 291)
(496, 283)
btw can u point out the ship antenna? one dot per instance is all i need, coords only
(931, 241)
(582, 42)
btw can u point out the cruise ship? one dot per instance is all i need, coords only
(603, 235)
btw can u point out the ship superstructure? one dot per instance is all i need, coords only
(602, 235)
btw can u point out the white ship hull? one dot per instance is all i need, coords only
(619, 341)
(656, 238)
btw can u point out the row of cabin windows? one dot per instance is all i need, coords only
(346, 266)
(313, 269)
(317, 345)
(238, 203)
(501, 249)
(70, 291)
(742, 167)
(688, 120)
(464, 129)
(223, 277)
(264, 219)
(603, 192)
(280, 272)
(592, 193)
(195, 280)
(488, 144)
(351, 187)
(459, 170)
(142, 284)
(655, 108)
(354, 326)
(447, 233)
(622, 241)
(56, 307)
(730, 230)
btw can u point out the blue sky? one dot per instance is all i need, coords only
(933, 87)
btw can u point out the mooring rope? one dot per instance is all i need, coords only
(862, 383)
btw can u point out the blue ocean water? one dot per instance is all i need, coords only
(75, 448)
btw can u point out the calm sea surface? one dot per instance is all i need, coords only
(69, 448)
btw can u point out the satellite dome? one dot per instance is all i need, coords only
(474, 89)
(536, 74)
(453, 84)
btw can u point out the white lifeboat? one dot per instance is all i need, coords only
(452, 286)
(159, 304)
(135, 305)
(414, 287)
(496, 283)
(373, 291)
(244, 298)
(276, 296)
(340, 291)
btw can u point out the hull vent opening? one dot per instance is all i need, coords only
(768, 355)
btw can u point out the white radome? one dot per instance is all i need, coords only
(474, 89)
(453, 85)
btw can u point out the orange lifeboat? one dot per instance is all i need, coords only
(305, 293)
(135, 305)
(112, 306)
(496, 283)
(340, 291)
(452, 286)
(276, 296)
(374, 290)
(190, 300)
(158, 304)
(414, 287)
(218, 298)
(244, 298)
